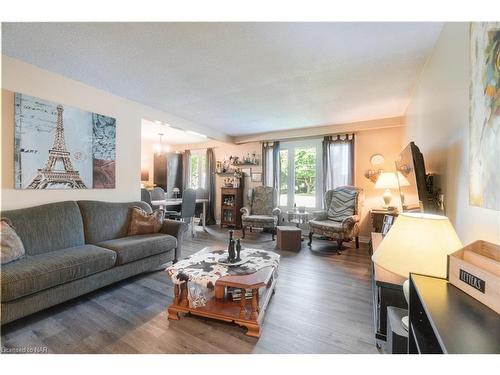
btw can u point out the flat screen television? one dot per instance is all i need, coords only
(412, 180)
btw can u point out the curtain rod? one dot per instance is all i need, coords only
(292, 139)
(195, 149)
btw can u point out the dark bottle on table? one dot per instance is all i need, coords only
(230, 249)
(238, 250)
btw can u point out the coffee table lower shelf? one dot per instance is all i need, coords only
(245, 313)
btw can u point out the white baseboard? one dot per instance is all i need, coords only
(364, 239)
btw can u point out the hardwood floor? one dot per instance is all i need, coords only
(322, 304)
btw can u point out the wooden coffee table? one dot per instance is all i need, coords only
(246, 313)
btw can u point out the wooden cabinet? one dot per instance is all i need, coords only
(168, 171)
(377, 218)
(231, 203)
(387, 289)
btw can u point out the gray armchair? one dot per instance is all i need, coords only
(339, 221)
(262, 211)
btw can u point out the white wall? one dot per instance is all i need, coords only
(18, 76)
(438, 122)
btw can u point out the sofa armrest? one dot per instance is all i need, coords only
(245, 211)
(320, 215)
(177, 229)
(277, 211)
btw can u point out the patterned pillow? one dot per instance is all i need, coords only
(11, 246)
(343, 204)
(144, 223)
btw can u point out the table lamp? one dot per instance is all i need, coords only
(417, 243)
(387, 181)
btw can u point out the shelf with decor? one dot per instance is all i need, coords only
(231, 204)
(245, 164)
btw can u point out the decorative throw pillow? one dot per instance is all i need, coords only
(144, 223)
(11, 246)
(343, 204)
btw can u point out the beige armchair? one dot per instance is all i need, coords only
(340, 219)
(262, 211)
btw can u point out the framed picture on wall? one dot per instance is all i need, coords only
(62, 147)
(256, 177)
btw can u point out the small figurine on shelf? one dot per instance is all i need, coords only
(230, 249)
(238, 249)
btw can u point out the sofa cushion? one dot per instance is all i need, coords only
(49, 227)
(104, 221)
(35, 273)
(140, 246)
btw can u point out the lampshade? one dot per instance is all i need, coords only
(417, 243)
(145, 175)
(387, 180)
(403, 181)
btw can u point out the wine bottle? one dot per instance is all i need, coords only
(238, 250)
(230, 249)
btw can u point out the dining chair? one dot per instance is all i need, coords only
(187, 209)
(158, 194)
(146, 196)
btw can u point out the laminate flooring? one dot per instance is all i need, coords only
(322, 304)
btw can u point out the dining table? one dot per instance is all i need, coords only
(178, 202)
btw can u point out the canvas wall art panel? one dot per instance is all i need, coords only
(484, 92)
(62, 147)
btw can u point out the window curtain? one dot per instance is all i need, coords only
(270, 163)
(210, 184)
(186, 156)
(338, 161)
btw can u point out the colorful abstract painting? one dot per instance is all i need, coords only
(484, 186)
(62, 147)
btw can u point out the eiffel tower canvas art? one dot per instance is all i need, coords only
(61, 147)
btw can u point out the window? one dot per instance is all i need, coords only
(300, 174)
(197, 169)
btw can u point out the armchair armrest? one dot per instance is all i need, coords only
(277, 211)
(320, 215)
(177, 229)
(348, 222)
(245, 211)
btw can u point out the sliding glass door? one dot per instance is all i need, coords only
(300, 174)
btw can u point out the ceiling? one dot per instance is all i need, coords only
(239, 78)
(151, 129)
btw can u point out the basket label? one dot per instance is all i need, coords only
(472, 280)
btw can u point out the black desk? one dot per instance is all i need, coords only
(443, 319)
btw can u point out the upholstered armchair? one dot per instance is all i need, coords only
(340, 219)
(262, 211)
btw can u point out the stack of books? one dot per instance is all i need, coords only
(235, 293)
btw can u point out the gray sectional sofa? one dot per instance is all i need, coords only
(75, 247)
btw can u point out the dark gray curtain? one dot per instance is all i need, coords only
(276, 165)
(185, 169)
(270, 164)
(338, 161)
(210, 215)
